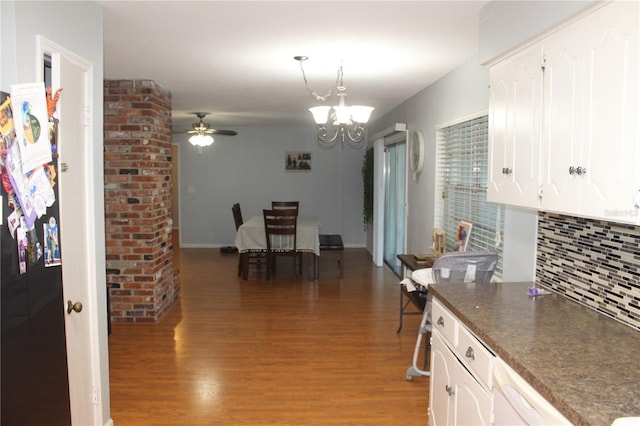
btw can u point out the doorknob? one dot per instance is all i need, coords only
(77, 307)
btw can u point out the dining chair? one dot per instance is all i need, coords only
(451, 268)
(286, 205)
(280, 227)
(257, 258)
(237, 215)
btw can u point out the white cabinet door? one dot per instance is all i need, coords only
(590, 139)
(456, 398)
(440, 390)
(515, 124)
(473, 404)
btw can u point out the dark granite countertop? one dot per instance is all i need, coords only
(585, 364)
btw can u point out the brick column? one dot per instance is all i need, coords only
(138, 226)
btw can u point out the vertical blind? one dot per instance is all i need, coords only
(461, 185)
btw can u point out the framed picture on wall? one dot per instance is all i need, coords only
(297, 161)
(462, 235)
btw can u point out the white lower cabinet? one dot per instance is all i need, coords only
(441, 398)
(460, 388)
(456, 397)
(469, 385)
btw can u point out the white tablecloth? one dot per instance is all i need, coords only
(250, 235)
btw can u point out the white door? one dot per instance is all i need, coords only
(591, 110)
(611, 133)
(564, 124)
(473, 403)
(72, 74)
(440, 389)
(515, 129)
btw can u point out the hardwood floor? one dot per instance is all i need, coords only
(277, 352)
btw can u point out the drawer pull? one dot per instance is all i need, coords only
(449, 390)
(469, 353)
(577, 170)
(441, 321)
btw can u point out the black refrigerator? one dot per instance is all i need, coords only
(33, 363)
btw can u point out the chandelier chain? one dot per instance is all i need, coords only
(330, 92)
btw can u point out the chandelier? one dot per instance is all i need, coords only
(339, 123)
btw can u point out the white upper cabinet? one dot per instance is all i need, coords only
(515, 129)
(590, 141)
(564, 119)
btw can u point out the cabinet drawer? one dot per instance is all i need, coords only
(479, 359)
(444, 321)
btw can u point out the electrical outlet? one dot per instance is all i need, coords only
(211, 235)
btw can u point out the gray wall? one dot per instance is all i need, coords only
(458, 94)
(505, 24)
(463, 92)
(249, 169)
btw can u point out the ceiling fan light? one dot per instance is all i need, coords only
(320, 114)
(361, 113)
(201, 140)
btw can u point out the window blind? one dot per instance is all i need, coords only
(461, 184)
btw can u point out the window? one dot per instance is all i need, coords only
(461, 187)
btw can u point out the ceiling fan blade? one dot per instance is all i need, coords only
(204, 129)
(222, 132)
(207, 132)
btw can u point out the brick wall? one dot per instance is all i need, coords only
(137, 167)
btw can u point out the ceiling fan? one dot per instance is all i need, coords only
(202, 128)
(201, 132)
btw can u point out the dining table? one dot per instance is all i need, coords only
(250, 237)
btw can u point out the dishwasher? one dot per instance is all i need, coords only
(515, 402)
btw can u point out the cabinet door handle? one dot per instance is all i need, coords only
(470, 354)
(577, 171)
(440, 321)
(449, 390)
(506, 171)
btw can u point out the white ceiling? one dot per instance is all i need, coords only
(234, 59)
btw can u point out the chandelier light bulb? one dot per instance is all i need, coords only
(361, 113)
(343, 114)
(320, 114)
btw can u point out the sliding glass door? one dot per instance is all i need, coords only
(394, 203)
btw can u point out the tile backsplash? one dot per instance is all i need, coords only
(592, 262)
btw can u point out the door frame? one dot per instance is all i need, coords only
(378, 190)
(88, 381)
(397, 142)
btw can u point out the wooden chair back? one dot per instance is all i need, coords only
(286, 205)
(281, 228)
(237, 215)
